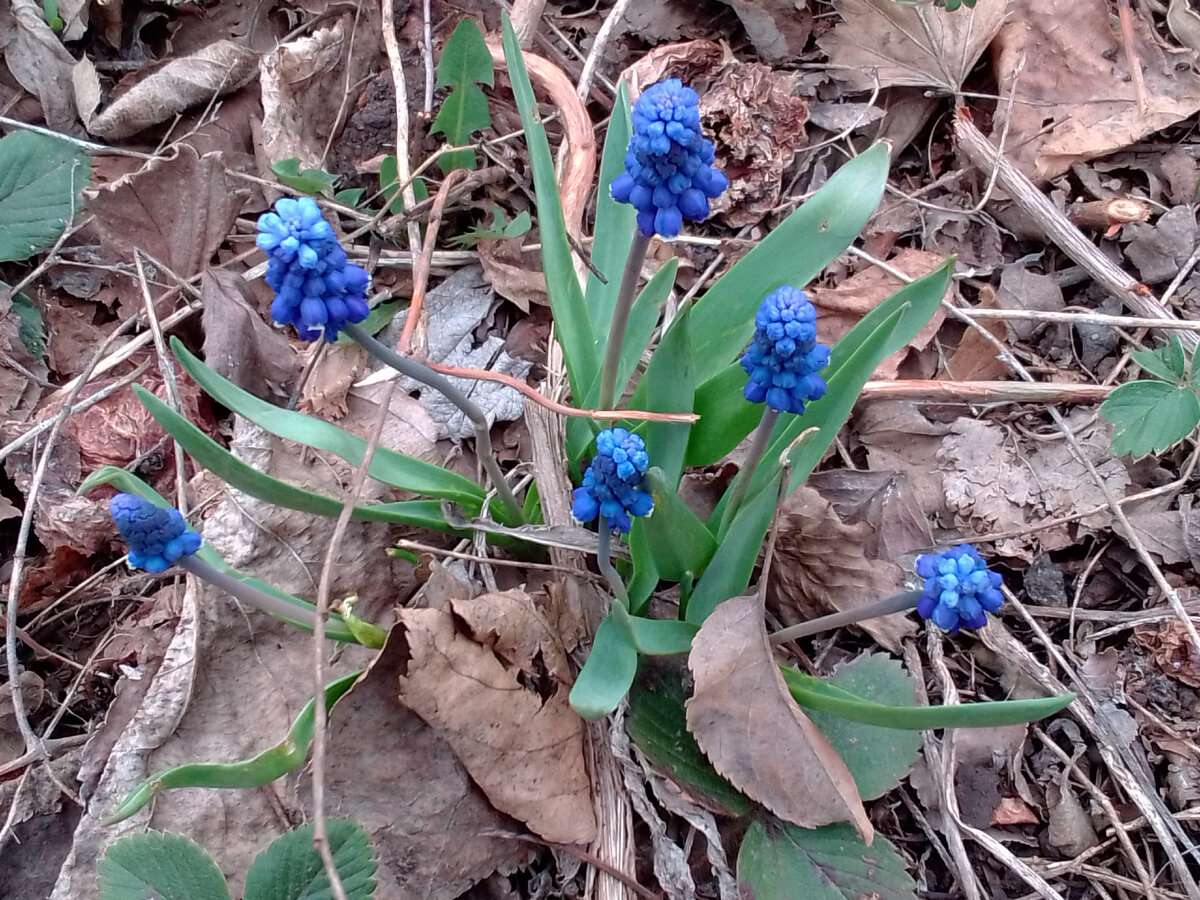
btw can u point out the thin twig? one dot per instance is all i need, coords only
(425, 261)
(606, 33)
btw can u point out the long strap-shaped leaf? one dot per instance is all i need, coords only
(264, 768)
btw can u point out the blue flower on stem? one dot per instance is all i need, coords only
(959, 588)
(157, 537)
(317, 289)
(784, 357)
(669, 174)
(612, 483)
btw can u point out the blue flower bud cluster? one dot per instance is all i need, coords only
(156, 536)
(784, 357)
(669, 174)
(316, 288)
(612, 483)
(959, 588)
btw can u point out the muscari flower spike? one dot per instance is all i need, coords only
(317, 289)
(156, 536)
(784, 357)
(959, 588)
(669, 174)
(612, 483)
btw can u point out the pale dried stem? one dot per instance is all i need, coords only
(424, 262)
(604, 36)
(934, 391)
(526, 16)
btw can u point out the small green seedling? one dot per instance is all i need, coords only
(172, 867)
(465, 64)
(1152, 414)
(498, 230)
(307, 181)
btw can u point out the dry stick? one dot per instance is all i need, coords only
(424, 262)
(1058, 229)
(607, 32)
(933, 391)
(526, 16)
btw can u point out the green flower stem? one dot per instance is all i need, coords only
(302, 616)
(616, 334)
(758, 446)
(885, 607)
(420, 372)
(604, 560)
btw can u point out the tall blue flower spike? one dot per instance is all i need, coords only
(156, 536)
(669, 174)
(959, 588)
(316, 288)
(783, 358)
(612, 483)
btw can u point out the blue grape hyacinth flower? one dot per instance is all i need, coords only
(317, 289)
(960, 590)
(783, 358)
(612, 483)
(156, 536)
(669, 174)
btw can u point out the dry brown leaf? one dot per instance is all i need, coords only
(238, 343)
(1069, 828)
(822, 566)
(297, 80)
(779, 29)
(1169, 646)
(975, 358)
(514, 275)
(841, 307)
(884, 500)
(219, 69)
(880, 43)
(1065, 50)
(747, 724)
(522, 745)
(899, 438)
(1013, 811)
(40, 64)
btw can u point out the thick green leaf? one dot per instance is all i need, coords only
(779, 861)
(1150, 416)
(208, 453)
(308, 181)
(31, 328)
(645, 575)
(657, 722)
(40, 181)
(572, 321)
(158, 866)
(614, 221)
(605, 678)
(465, 59)
(335, 628)
(350, 197)
(661, 637)
(794, 253)
(815, 694)
(726, 417)
(733, 563)
(264, 768)
(677, 540)
(397, 469)
(878, 758)
(668, 386)
(1167, 363)
(291, 868)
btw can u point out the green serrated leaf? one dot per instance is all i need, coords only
(291, 868)
(878, 758)
(779, 861)
(264, 768)
(40, 181)
(1150, 416)
(158, 866)
(1167, 363)
(499, 229)
(657, 722)
(308, 181)
(605, 678)
(31, 328)
(465, 58)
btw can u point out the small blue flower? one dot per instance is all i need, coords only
(156, 536)
(612, 483)
(316, 288)
(669, 174)
(784, 357)
(959, 588)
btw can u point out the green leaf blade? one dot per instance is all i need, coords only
(291, 868)
(1150, 416)
(1167, 363)
(158, 866)
(465, 58)
(605, 678)
(40, 181)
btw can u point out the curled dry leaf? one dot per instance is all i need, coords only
(755, 735)
(1170, 647)
(220, 68)
(238, 343)
(881, 43)
(297, 81)
(40, 64)
(498, 695)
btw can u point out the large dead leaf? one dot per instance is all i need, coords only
(40, 64)
(746, 722)
(822, 566)
(498, 695)
(238, 343)
(887, 44)
(1074, 77)
(841, 307)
